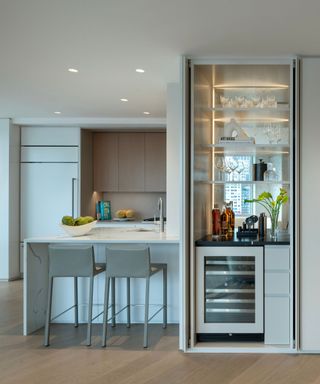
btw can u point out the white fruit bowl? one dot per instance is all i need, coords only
(78, 230)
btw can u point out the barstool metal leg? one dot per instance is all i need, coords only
(76, 310)
(128, 304)
(146, 314)
(90, 312)
(113, 301)
(105, 312)
(48, 317)
(165, 290)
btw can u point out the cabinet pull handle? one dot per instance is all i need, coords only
(73, 188)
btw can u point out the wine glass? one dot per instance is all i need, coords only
(240, 169)
(227, 170)
(233, 165)
(220, 165)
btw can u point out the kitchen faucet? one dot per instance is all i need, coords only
(160, 207)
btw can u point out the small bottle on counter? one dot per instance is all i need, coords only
(216, 223)
(230, 213)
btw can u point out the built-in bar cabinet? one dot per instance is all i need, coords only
(240, 123)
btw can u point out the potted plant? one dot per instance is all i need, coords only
(272, 206)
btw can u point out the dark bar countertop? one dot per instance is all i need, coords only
(212, 241)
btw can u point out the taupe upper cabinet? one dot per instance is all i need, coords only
(105, 162)
(155, 162)
(129, 162)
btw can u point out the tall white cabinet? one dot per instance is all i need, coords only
(309, 201)
(49, 179)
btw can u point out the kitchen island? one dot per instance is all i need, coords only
(163, 248)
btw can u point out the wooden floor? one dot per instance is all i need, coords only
(25, 360)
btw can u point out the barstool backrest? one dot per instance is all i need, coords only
(75, 260)
(128, 261)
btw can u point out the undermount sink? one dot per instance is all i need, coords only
(139, 230)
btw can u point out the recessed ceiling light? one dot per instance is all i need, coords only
(124, 99)
(74, 70)
(57, 113)
(146, 113)
(140, 70)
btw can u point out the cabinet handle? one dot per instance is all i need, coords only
(73, 188)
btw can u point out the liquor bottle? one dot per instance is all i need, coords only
(262, 226)
(224, 222)
(230, 213)
(216, 224)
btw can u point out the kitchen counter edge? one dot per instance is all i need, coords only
(209, 241)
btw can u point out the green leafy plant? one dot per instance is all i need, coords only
(272, 205)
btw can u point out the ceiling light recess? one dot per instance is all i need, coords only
(123, 99)
(146, 113)
(57, 112)
(73, 70)
(140, 70)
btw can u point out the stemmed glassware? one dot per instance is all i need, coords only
(227, 171)
(220, 165)
(232, 165)
(273, 133)
(227, 168)
(240, 169)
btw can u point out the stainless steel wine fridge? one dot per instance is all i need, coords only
(229, 287)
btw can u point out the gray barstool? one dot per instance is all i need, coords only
(71, 261)
(132, 262)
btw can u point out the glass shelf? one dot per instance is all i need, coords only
(257, 119)
(239, 149)
(279, 108)
(252, 87)
(245, 182)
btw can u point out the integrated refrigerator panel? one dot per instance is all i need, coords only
(48, 192)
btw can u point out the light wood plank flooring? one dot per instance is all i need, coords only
(25, 360)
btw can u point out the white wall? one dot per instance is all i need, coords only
(174, 122)
(9, 200)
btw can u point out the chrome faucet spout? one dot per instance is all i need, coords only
(160, 206)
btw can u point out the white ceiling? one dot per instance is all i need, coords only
(108, 39)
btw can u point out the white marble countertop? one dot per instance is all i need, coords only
(121, 224)
(111, 235)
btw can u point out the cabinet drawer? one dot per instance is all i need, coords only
(277, 283)
(277, 320)
(277, 257)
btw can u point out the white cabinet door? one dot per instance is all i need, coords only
(50, 136)
(309, 192)
(48, 192)
(49, 154)
(278, 318)
(277, 329)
